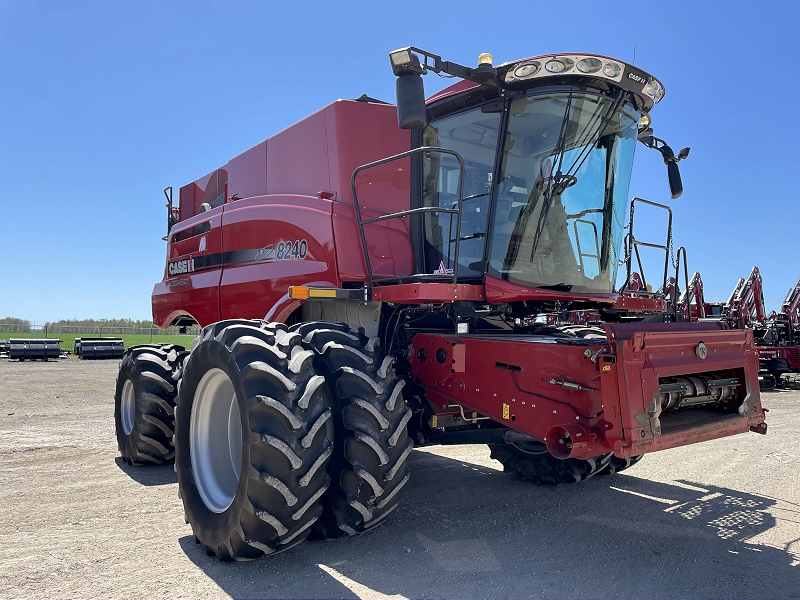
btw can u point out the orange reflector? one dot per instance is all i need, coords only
(298, 292)
(323, 293)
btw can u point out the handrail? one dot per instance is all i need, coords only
(413, 211)
(688, 292)
(633, 245)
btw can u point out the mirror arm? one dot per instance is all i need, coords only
(484, 75)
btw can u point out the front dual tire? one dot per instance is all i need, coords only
(254, 437)
(281, 433)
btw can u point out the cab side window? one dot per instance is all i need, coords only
(474, 135)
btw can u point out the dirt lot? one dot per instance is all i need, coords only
(717, 520)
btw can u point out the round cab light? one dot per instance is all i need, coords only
(559, 65)
(526, 70)
(589, 65)
(485, 59)
(644, 122)
(653, 89)
(611, 70)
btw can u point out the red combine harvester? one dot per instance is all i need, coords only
(362, 285)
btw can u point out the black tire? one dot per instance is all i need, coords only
(276, 412)
(543, 468)
(615, 465)
(144, 402)
(369, 467)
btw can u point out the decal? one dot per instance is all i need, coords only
(291, 250)
(296, 250)
(442, 270)
(179, 267)
(183, 281)
(636, 78)
(266, 253)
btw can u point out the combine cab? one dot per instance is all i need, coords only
(365, 288)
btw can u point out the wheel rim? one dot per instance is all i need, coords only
(215, 440)
(127, 409)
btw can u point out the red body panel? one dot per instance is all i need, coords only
(254, 279)
(419, 293)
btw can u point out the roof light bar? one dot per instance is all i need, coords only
(587, 65)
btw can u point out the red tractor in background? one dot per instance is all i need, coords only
(777, 334)
(365, 288)
(779, 338)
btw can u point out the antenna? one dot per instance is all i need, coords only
(634, 54)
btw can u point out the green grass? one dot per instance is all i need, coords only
(130, 339)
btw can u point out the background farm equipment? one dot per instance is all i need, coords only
(97, 348)
(777, 334)
(34, 349)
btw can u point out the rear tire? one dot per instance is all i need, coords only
(253, 439)
(545, 469)
(369, 468)
(144, 402)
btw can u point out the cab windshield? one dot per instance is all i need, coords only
(562, 190)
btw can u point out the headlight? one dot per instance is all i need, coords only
(559, 65)
(526, 70)
(589, 65)
(611, 70)
(653, 89)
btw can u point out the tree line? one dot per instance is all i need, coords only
(80, 322)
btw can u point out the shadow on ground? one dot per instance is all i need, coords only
(150, 475)
(464, 530)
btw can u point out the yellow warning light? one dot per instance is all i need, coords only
(485, 59)
(298, 292)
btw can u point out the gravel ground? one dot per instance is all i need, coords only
(714, 520)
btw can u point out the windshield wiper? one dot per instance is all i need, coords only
(562, 181)
(559, 287)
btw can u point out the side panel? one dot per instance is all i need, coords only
(192, 273)
(298, 158)
(247, 173)
(359, 133)
(271, 243)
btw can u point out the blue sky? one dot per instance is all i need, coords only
(105, 103)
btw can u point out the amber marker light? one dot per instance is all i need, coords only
(298, 292)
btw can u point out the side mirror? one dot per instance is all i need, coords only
(411, 112)
(674, 176)
(668, 154)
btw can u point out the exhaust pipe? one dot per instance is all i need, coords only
(572, 440)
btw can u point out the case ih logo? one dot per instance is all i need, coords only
(636, 78)
(179, 267)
